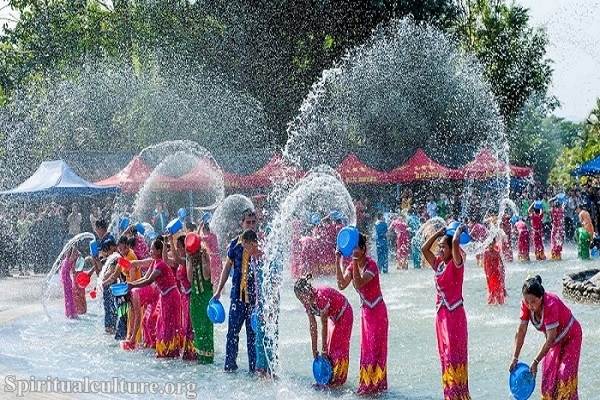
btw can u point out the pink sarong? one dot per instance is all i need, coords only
(402, 242)
(216, 267)
(374, 334)
(66, 269)
(148, 298)
(168, 325)
(537, 228)
(557, 235)
(339, 330)
(494, 273)
(187, 332)
(560, 366)
(523, 243)
(507, 249)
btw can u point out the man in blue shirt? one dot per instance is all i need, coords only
(381, 243)
(243, 297)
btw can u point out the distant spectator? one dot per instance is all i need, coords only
(74, 221)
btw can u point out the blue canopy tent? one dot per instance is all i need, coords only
(55, 179)
(590, 168)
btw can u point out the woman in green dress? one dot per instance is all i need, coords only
(198, 272)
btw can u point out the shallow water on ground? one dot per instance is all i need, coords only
(34, 346)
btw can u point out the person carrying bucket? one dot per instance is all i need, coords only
(336, 317)
(67, 268)
(263, 355)
(363, 273)
(451, 319)
(381, 243)
(242, 297)
(561, 350)
(210, 240)
(198, 268)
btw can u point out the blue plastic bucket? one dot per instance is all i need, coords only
(538, 205)
(464, 236)
(182, 213)
(119, 289)
(347, 240)
(94, 248)
(521, 382)
(315, 219)
(322, 370)
(139, 227)
(174, 226)
(514, 219)
(215, 311)
(123, 223)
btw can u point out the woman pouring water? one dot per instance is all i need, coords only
(364, 275)
(451, 319)
(560, 352)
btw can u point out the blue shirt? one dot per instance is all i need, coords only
(235, 252)
(381, 229)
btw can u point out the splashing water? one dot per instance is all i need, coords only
(408, 87)
(51, 283)
(320, 191)
(184, 172)
(225, 222)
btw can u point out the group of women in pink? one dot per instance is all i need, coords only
(546, 311)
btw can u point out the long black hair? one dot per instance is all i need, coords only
(534, 287)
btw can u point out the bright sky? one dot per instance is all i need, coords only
(573, 28)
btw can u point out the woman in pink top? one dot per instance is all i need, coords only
(336, 324)
(557, 235)
(451, 320)
(168, 325)
(364, 275)
(210, 240)
(400, 227)
(536, 215)
(67, 267)
(176, 258)
(562, 348)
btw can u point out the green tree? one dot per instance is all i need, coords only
(584, 148)
(513, 53)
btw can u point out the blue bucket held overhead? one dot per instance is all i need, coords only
(465, 238)
(182, 213)
(514, 219)
(315, 218)
(538, 205)
(94, 248)
(119, 289)
(347, 240)
(521, 382)
(322, 370)
(123, 223)
(139, 227)
(174, 226)
(215, 312)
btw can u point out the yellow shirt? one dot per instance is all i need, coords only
(134, 273)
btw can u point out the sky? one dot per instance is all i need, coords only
(573, 28)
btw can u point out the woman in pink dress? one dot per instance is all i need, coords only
(507, 249)
(210, 240)
(336, 324)
(67, 267)
(177, 258)
(451, 319)
(168, 324)
(522, 241)
(557, 234)
(400, 227)
(562, 348)
(364, 275)
(494, 273)
(536, 215)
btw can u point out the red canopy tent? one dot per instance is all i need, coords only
(420, 167)
(275, 168)
(131, 178)
(354, 171)
(486, 165)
